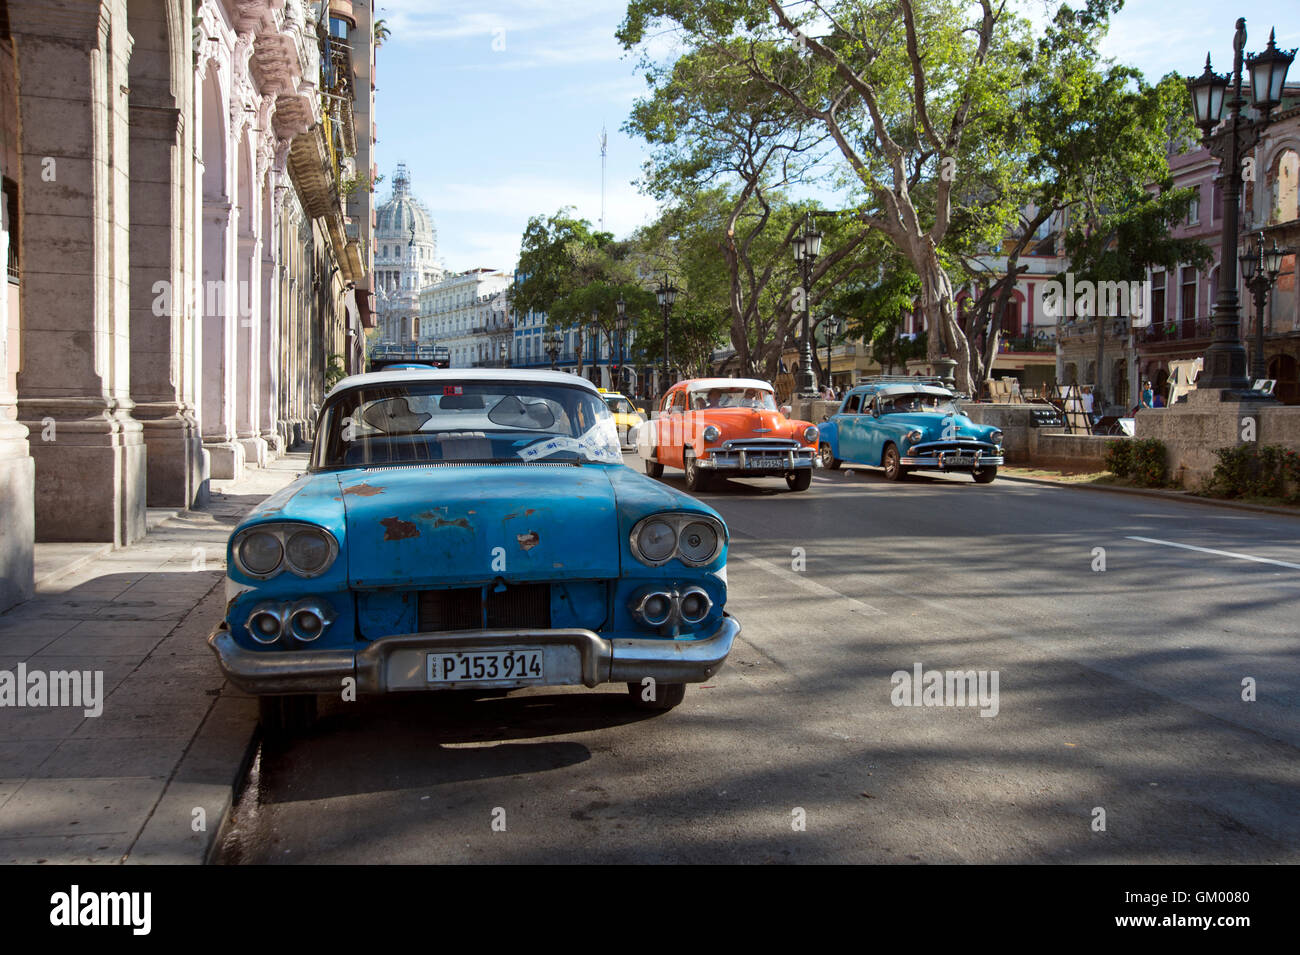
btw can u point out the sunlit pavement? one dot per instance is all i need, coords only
(149, 777)
(1118, 732)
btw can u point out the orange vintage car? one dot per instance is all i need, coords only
(726, 427)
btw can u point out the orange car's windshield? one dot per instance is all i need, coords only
(703, 398)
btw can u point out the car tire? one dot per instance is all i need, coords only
(829, 461)
(696, 480)
(889, 460)
(283, 717)
(985, 475)
(666, 696)
(654, 468)
(799, 480)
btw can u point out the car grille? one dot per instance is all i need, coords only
(472, 608)
(959, 446)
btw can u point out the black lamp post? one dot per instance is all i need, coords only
(807, 246)
(552, 341)
(620, 324)
(593, 333)
(1225, 359)
(1260, 268)
(833, 328)
(666, 293)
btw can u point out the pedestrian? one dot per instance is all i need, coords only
(1148, 396)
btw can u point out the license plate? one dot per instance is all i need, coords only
(768, 463)
(953, 460)
(463, 666)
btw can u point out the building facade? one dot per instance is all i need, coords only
(405, 261)
(180, 269)
(468, 314)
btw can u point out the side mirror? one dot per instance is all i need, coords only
(826, 417)
(875, 410)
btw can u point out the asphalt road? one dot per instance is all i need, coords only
(1119, 702)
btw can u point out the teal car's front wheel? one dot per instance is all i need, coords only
(285, 716)
(660, 696)
(985, 475)
(829, 461)
(894, 470)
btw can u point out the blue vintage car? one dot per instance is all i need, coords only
(908, 424)
(471, 529)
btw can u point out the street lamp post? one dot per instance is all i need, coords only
(807, 246)
(552, 341)
(1225, 359)
(504, 352)
(620, 324)
(833, 327)
(666, 293)
(1260, 268)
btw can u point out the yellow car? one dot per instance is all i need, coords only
(626, 417)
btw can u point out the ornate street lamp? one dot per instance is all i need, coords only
(552, 342)
(1225, 359)
(833, 328)
(1260, 268)
(620, 324)
(807, 246)
(666, 293)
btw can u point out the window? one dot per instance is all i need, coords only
(1286, 188)
(1157, 298)
(11, 224)
(1194, 210)
(1189, 294)
(854, 404)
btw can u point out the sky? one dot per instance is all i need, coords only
(497, 106)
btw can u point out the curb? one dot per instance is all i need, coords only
(1157, 493)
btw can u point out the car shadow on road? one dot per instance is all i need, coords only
(419, 740)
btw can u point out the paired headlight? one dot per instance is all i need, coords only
(265, 550)
(694, 539)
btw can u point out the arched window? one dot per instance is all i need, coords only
(1285, 193)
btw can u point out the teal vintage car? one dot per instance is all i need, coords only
(471, 530)
(908, 424)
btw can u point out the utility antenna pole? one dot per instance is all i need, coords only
(604, 140)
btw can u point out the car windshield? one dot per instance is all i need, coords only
(702, 398)
(620, 406)
(918, 401)
(504, 421)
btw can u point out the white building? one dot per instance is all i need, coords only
(468, 313)
(405, 261)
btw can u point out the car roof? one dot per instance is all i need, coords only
(696, 383)
(410, 375)
(904, 390)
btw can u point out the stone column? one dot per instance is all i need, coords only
(220, 324)
(248, 376)
(17, 469)
(74, 385)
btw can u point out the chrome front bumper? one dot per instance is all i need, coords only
(397, 663)
(770, 462)
(951, 461)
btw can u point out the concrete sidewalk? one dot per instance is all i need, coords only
(149, 779)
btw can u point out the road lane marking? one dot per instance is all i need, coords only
(799, 580)
(1221, 553)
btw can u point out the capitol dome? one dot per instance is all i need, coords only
(402, 211)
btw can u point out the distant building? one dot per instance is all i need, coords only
(405, 261)
(468, 313)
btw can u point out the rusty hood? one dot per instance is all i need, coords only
(471, 524)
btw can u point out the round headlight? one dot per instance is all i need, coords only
(913, 436)
(711, 433)
(698, 542)
(656, 541)
(264, 626)
(996, 437)
(656, 608)
(810, 435)
(260, 553)
(308, 551)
